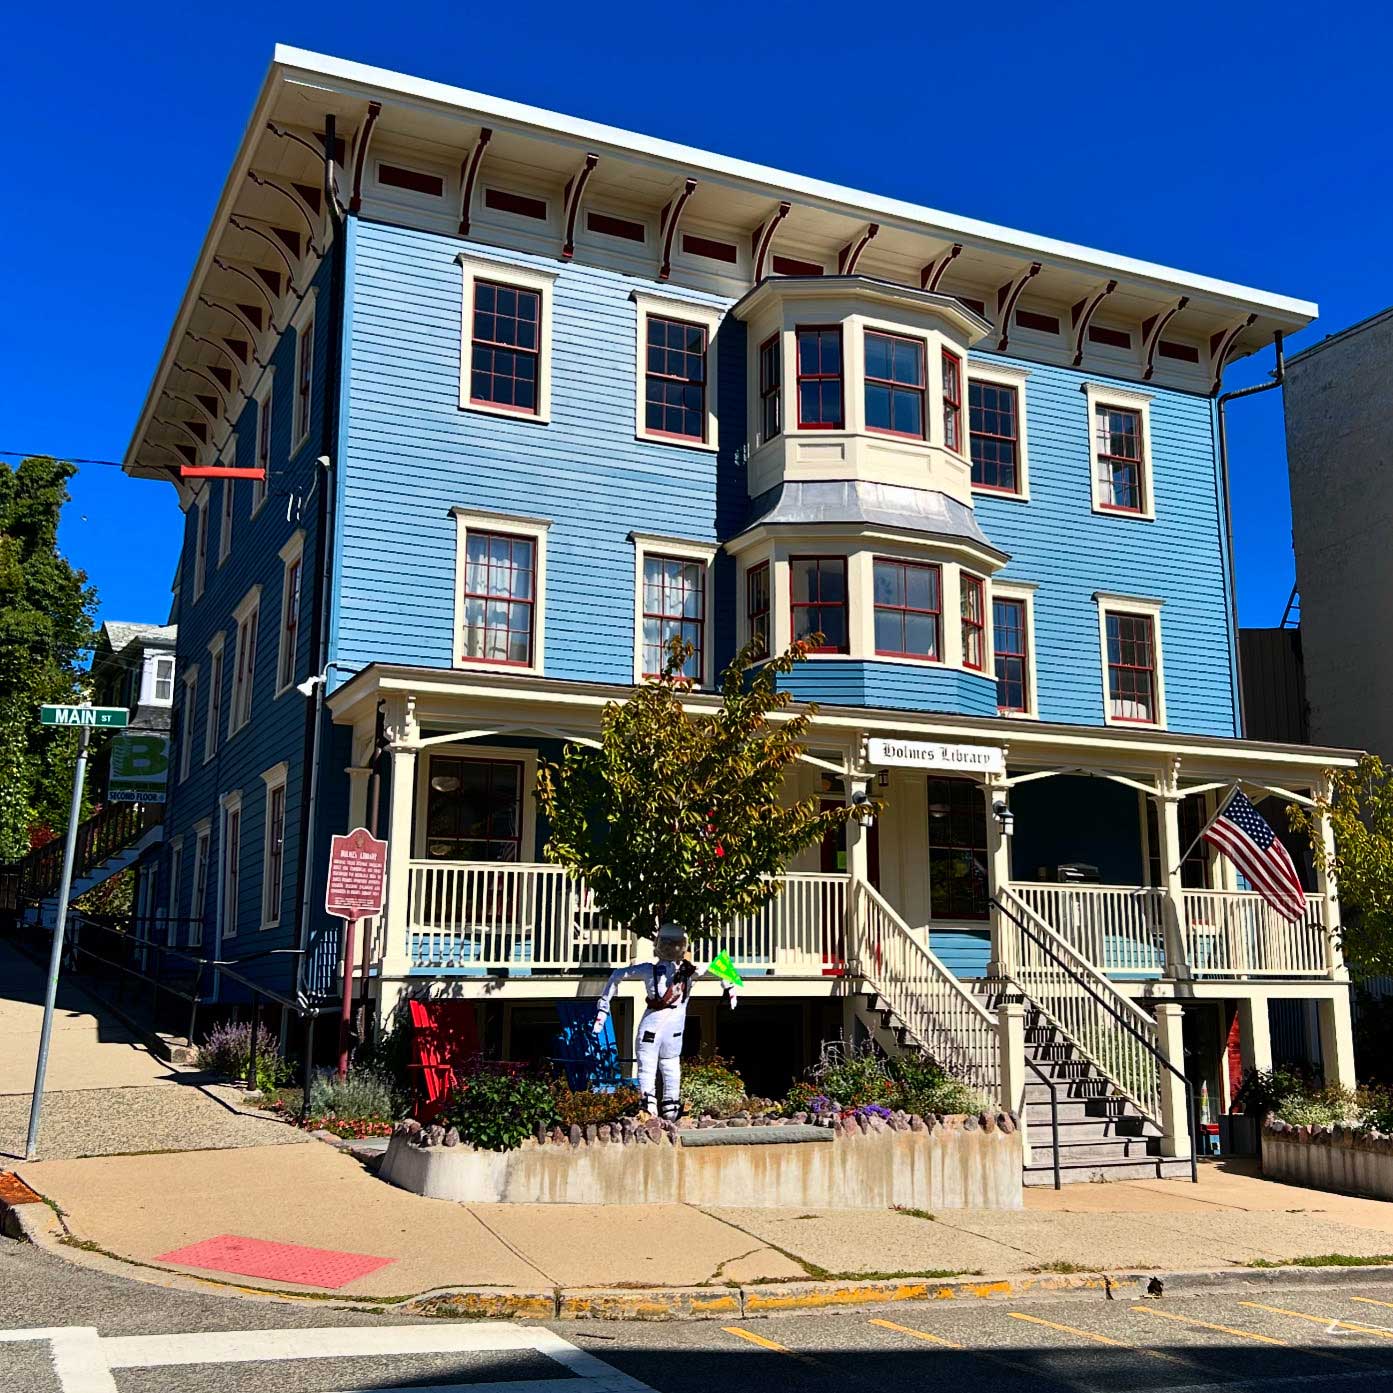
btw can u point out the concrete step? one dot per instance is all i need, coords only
(1074, 1128)
(1040, 1172)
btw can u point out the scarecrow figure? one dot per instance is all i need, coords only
(668, 979)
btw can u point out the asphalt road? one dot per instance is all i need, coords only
(110, 1335)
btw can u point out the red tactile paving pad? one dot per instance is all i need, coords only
(276, 1262)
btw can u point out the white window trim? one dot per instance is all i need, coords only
(274, 778)
(691, 312)
(535, 531)
(228, 509)
(217, 673)
(293, 551)
(229, 804)
(200, 547)
(1023, 590)
(186, 730)
(150, 678)
(198, 912)
(265, 411)
(304, 318)
(999, 374)
(1131, 604)
(650, 544)
(239, 709)
(1098, 395)
(474, 268)
(484, 753)
(176, 865)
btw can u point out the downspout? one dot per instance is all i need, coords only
(1278, 378)
(328, 462)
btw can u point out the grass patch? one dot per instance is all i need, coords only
(914, 1213)
(1060, 1266)
(1328, 1260)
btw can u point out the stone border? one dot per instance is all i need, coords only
(1338, 1158)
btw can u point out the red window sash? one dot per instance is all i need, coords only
(1106, 457)
(753, 577)
(510, 599)
(678, 618)
(907, 609)
(801, 377)
(972, 585)
(770, 385)
(649, 376)
(952, 401)
(892, 386)
(534, 353)
(795, 605)
(1013, 440)
(1022, 654)
(1149, 669)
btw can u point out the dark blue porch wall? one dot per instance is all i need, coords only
(1074, 818)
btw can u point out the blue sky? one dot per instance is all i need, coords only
(1241, 140)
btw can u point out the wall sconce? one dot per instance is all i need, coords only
(1005, 818)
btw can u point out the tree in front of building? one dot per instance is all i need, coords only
(1360, 808)
(46, 610)
(676, 816)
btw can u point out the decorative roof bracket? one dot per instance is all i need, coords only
(1006, 297)
(469, 176)
(763, 238)
(1151, 331)
(932, 272)
(1082, 315)
(575, 191)
(672, 215)
(850, 255)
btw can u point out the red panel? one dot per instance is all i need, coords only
(276, 1262)
(218, 471)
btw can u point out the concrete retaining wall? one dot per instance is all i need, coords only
(948, 1168)
(1329, 1158)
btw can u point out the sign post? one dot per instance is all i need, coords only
(357, 870)
(86, 719)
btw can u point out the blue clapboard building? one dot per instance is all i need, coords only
(532, 396)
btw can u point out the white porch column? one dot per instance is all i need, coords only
(1168, 799)
(1002, 961)
(357, 796)
(403, 733)
(1175, 1115)
(858, 863)
(1337, 1039)
(1329, 893)
(1255, 1033)
(1010, 1040)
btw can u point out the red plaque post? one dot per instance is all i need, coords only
(357, 873)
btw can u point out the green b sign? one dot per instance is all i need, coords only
(139, 764)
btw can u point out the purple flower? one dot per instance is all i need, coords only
(874, 1110)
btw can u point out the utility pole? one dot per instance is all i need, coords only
(55, 958)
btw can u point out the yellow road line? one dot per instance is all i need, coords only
(1369, 1301)
(756, 1339)
(1103, 1339)
(1209, 1325)
(1326, 1321)
(918, 1334)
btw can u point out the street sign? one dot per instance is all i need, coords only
(100, 716)
(357, 870)
(139, 764)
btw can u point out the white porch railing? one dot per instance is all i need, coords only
(488, 915)
(1119, 928)
(1235, 933)
(945, 1018)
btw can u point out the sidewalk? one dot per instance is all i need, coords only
(105, 1092)
(142, 1207)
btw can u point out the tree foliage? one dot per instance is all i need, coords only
(1360, 808)
(46, 610)
(675, 817)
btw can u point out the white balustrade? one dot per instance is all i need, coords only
(1118, 928)
(1236, 933)
(489, 915)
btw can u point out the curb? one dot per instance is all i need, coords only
(24, 1215)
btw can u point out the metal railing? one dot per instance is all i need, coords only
(1112, 1033)
(113, 829)
(1236, 933)
(944, 1017)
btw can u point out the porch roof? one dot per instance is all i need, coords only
(508, 703)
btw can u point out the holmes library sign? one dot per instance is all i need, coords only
(938, 755)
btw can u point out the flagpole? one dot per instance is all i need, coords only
(1233, 788)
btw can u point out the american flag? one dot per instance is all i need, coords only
(1241, 833)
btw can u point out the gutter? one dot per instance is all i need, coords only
(1279, 376)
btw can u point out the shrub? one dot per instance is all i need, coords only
(711, 1087)
(226, 1049)
(498, 1111)
(581, 1107)
(799, 1098)
(924, 1087)
(364, 1095)
(853, 1075)
(387, 1053)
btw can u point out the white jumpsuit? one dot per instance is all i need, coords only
(669, 988)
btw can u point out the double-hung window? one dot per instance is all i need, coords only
(1010, 646)
(994, 434)
(675, 379)
(304, 378)
(292, 589)
(171, 913)
(818, 601)
(244, 670)
(1131, 664)
(231, 880)
(894, 385)
(505, 369)
(212, 729)
(771, 373)
(1120, 458)
(908, 610)
(229, 501)
(674, 607)
(820, 378)
(186, 715)
(198, 902)
(974, 617)
(952, 400)
(263, 449)
(757, 605)
(273, 850)
(499, 598)
(200, 547)
(164, 682)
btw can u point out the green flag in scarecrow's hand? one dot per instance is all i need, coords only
(722, 967)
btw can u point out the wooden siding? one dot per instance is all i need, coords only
(902, 686)
(276, 730)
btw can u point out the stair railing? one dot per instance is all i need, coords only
(114, 828)
(1111, 1031)
(1053, 1087)
(940, 1013)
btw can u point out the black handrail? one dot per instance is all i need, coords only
(1190, 1115)
(1054, 1116)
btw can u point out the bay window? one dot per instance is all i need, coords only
(908, 610)
(818, 601)
(894, 384)
(757, 599)
(974, 621)
(820, 378)
(952, 400)
(770, 388)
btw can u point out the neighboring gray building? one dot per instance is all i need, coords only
(1339, 415)
(133, 666)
